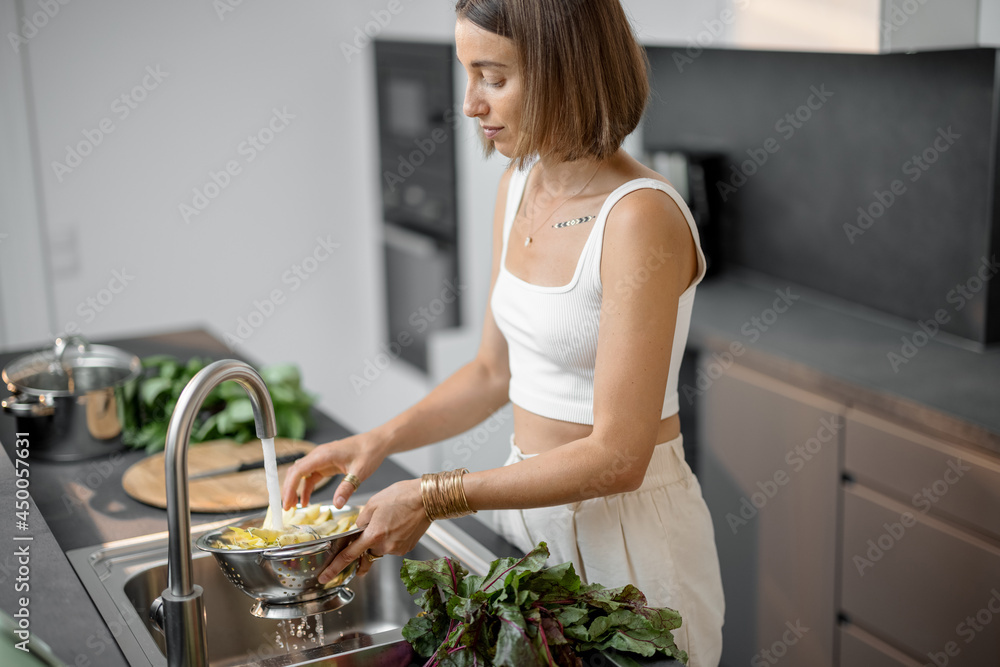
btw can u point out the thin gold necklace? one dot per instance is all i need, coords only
(528, 238)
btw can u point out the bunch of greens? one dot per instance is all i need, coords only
(226, 412)
(522, 614)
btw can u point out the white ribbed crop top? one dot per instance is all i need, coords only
(552, 332)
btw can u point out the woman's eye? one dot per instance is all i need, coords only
(493, 84)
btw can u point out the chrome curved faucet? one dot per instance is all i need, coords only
(180, 610)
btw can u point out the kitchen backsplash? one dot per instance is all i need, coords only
(870, 177)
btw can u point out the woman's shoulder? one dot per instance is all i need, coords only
(652, 196)
(648, 216)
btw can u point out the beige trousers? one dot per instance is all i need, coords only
(658, 538)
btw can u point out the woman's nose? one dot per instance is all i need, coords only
(473, 106)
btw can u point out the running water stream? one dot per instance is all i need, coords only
(273, 489)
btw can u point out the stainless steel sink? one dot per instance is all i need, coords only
(123, 578)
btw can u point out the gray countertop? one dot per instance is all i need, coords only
(949, 387)
(83, 504)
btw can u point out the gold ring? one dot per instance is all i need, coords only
(371, 557)
(353, 480)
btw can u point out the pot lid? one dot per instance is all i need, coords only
(69, 370)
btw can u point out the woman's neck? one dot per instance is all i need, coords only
(559, 176)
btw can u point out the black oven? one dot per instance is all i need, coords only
(416, 122)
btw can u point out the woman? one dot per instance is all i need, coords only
(595, 264)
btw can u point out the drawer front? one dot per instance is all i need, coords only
(922, 584)
(932, 476)
(860, 649)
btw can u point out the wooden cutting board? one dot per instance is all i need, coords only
(232, 492)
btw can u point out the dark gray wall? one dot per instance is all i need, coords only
(788, 218)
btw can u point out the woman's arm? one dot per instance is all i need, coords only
(464, 399)
(641, 293)
(633, 360)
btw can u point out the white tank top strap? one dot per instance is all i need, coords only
(595, 244)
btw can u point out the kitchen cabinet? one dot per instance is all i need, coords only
(769, 471)
(857, 647)
(854, 26)
(884, 542)
(917, 581)
(920, 554)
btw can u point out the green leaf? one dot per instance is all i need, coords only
(505, 571)
(419, 632)
(194, 365)
(209, 429)
(239, 410)
(442, 573)
(514, 642)
(291, 424)
(282, 394)
(157, 360)
(286, 374)
(229, 390)
(153, 388)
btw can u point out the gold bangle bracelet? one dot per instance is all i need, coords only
(443, 495)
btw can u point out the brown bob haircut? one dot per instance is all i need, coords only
(584, 72)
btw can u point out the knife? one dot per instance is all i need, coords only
(251, 465)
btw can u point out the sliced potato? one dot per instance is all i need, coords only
(318, 517)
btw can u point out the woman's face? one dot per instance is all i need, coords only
(493, 93)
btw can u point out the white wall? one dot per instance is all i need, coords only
(222, 78)
(25, 291)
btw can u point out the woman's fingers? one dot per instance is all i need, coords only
(301, 469)
(290, 489)
(344, 492)
(307, 486)
(350, 553)
(365, 565)
(365, 515)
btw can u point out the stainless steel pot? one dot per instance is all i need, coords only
(75, 399)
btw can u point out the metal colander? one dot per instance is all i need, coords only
(283, 575)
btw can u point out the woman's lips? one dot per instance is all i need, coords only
(491, 132)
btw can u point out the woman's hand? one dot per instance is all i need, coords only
(358, 454)
(393, 522)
